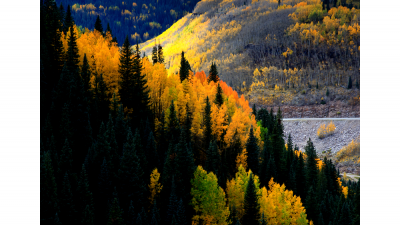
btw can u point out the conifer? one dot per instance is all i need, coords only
(126, 72)
(84, 196)
(154, 54)
(184, 69)
(160, 54)
(65, 164)
(207, 123)
(213, 161)
(350, 83)
(219, 100)
(68, 21)
(98, 26)
(173, 125)
(173, 204)
(311, 204)
(254, 110)
(327, 92)
(72, 57)
(253, 152)
(311, 164)
(85, 74)
(265, 175)
(115, 214)
(48, 189)
(251, 206)
(213, 74)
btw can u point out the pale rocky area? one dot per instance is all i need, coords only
(301, 131)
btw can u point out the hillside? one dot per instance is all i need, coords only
(274, 54)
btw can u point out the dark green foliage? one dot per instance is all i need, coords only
(345, 215)
(317, 85)
(172, 205)
(219, 100)
(65, 126)
(48, 189)
(103, 98)
(251, 206)
(213, 74)
(130, 174)
(311, 205)
(115, 214)
(233, 215)
(104, 192)
(207, 123)
(88, 216)
(151, 152)
(173, 125)
(213, 159)
(254, 110)
(184, 69)
(65, 164)
(265, 166)
(327, 92)
(114, 39)
(311, 164)
(180, 213)
(357, 84)
(300, 177)
(320, 219)
(68, 21)
(155, 215)
(84, 197)
(252, 152)
(350, 84)
(98, 26)
(160, 54)
(154, 55)
(85, 74)
(72, 57)
(126, 72)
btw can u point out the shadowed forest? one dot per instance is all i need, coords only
(123, 140)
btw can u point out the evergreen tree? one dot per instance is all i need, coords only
(207, 123)
(155, 215)
(265, 171)
(85, 74)
(84, 197)
(151, 152)
(114, 39)
(173, 204)
(253, 152)
(180, 213)
(327, 92)
(65, 125)
(219, 100)
(48, 190)
(213, 161)
(213, 74)
(72, 57)
(311, 204)
(65, 164)
(103, 98)
(357, 84)
(154, 54)
(311, 164)
(130, 174)
(251, 206)
(160, 54)
(300, 177)
(104, 192)
(68, 21)
(62, 15)
(126, 72)
(141, 99)
(88, 216)
(115, 214)
(350, 83)
(98, 26)
(184, 69)
(254, 110)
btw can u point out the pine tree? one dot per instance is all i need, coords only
(114, 39)
(155, 215)
(69, 21)
(184, 69)
(213, 161)
(72, 57)
(251, 206)
(253, 152)
(207, 123)
(180, 212)
(98, 26)
(213, 74)
(65, 164)
(265, 172)
(254, 110)
(219, 100)
(85, 74)
(160, 54)
(103, 98)
(126, 72)
(173, 204)
(104, 192)
(48, 189)
(151, 152)
(84, 197)
(311, 205)
(130, 174)
(311, 165)
(350, 83)
(300, 177)
(154, 54)
(115, 214)
(327, 92)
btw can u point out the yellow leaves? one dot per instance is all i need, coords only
(241, 159)
(154, 186)
(345, 190)
(324, 130)
(279, 205)
(288, 52)
(256, 73)
(351, 152)
(218, 120)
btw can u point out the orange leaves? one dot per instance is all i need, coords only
(219, 121)
(324, 130)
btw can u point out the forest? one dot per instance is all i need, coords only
(271, 48)
(139, 19)
(124, 141)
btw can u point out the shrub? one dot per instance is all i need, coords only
(323, 101)
(324, 130)
(349, 153)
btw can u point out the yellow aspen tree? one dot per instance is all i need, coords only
(154, 186)
(218, 120)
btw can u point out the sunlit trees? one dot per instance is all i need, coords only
(208, 199)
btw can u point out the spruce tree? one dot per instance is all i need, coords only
(219, 100)
(98, 26)
(184, 69)
(48, 189)
(65, 164)
(154, 55)
(126, 72)
(251, 206)
(350, 83)
(104, 192)
(151, 152)
(173, 125)
(172, 205)
(85, 74)
(253, 152)
(213, 74)
(114, 39)
(327, 92)
(311, 204)
(265, 173)
(67, 207)
(84, 196)
(68, 21)
(311, 164)
(254, 110)
(72, 57)
(207, 123)
(115, 214)
(213, 161)
(300, 177)
(160, 54)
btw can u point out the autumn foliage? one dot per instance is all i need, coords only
(326, 130)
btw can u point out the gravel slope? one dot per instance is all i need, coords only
(301, 131)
